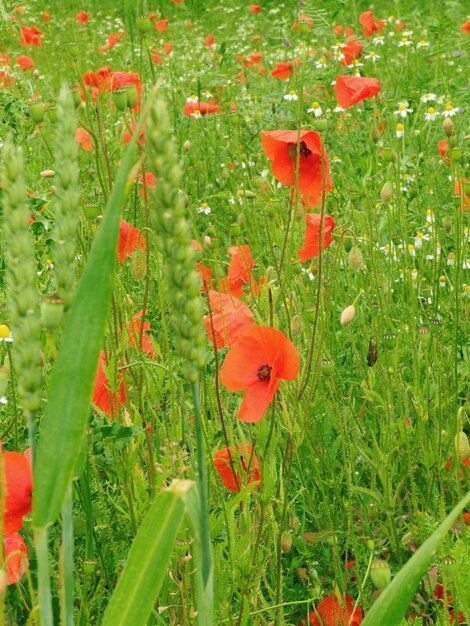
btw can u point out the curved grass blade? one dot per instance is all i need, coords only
(394, 601)
(64, 424)
(132, 602)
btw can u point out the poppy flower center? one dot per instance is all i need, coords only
(264, 372)
(304, 150)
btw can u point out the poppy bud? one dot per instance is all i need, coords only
(235, 230)
(36, 73)
(295, 524)
(371, 545)
(461, 445)
(348, 315)
(447, 224)
(52, 309)
(448, 126)
(74, 49)
(380, 573)
(374, 135)
(36, 111)
(120, 99)
(47, 173)
(131, 95)
(187, 145)
(390, 155)
(286, 541)
(138, 264)
(143, 24)
(4, 378)
(297, 325)
(466, 187)
(355, 259)
(456, 155)
(387, 192)
(241, 220)
(52, 113)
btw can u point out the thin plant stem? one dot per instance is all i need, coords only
(45, 599)
(66, 599)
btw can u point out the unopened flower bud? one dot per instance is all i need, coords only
(187, 145)
(380, 573)
(348, 315)
(36, 73)
(390, 155)
(461, 445)
(286, 541)
(47, 173)
(138, 264)
(355, 258)
(52, 309)
(374, 135)
(36, 111)
(297, 325)
(294, 523)
(387, 192)
(448, 126)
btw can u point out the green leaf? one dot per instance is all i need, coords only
(394, 601)
(146, 568)
(64, 425)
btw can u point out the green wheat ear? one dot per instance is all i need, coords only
(169, 222)
(67, 197)
(21, 273)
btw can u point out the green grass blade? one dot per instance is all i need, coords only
(146, 567)
(394, 601)
(64, 424)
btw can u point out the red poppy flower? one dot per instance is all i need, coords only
(133, 330)
(161, 25)
(340, 29)
(255, 8)
(16, 557)
(105, 399)
(239, 269)
(209, 40)
(5, 59)
(465, 28)
(350, 90)
(196, 109)
(30, 36)
(459, 191)
(351, 50)
(255, 363)
(84, 139)
(312, 247)
(45, 16)
(168, 47)
(156, 58)
(280, 146)
(206, 276)
(246, 460)
(18, 485)
(128, 136)
(369, 25)
(129, 239)
(332, 614)
(114, 39)
(303, 20)
(230, 318)
(82, 17)
(283, 70)
(443, 147)
(26, 63)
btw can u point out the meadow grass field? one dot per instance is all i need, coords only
(234, 312)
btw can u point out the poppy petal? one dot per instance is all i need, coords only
(257, 399)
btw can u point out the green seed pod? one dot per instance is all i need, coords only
(51, 112)
(380, 573)
(144, 25)
(91, 210)
(131, 95)
(355, 258)
(320, 124)
(65, 233)
(21, 279)
(75, 95)
(390, 340)
(390, 155)
(327, 367)
(138, 264)
(74, 49)
(52, 309)
(37, 112)
(120, 99)
(168, 218)
(387, 192)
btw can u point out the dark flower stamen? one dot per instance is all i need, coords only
(264, 372)
(304, 151)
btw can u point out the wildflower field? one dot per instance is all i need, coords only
(234, 312)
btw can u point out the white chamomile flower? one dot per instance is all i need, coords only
(315, 109)
(338, 109)
(337, 52)
(192, 99)
(420, 237)
(3, 400)
(404, 42)
(399, 130)
(411, 250)
(422, 44)
(336, 159)
(466, 291)
(372, 56)
(378, 40)
(204, 208)
(451, 259)
(429, 216)
(207, 94)
(442, 281)
(291, 96)
(321, 63)
(403, 109)
(431, 114)
(5, 334)
(428, 97)
(449, 110)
